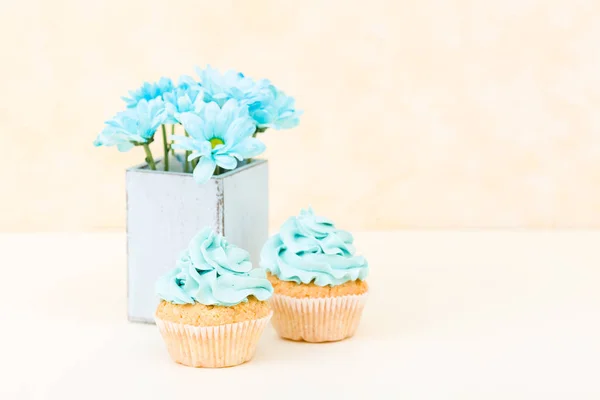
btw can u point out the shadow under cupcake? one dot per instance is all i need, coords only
(318, 281)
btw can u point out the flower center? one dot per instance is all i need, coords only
(215, 142)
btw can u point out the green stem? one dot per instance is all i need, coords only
(149, 158)
(172, 134)
(186, 163)
(165, 147)
(258, 130)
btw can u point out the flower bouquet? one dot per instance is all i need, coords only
(207, 174)
(221, 116)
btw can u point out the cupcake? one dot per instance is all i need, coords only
(319, 284)
(213, 305)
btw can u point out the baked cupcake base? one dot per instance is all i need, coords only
(198, 335)
(212, 346)
(326, 319)
(315, 313)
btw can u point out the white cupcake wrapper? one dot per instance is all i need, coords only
(212, 346)
(323, 319)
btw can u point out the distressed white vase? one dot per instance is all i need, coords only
(166, 209)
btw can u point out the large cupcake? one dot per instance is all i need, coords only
(213, 308)
(318, 280)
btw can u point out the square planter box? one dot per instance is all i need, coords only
(166, 209)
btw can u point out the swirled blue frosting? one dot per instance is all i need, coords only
(309, 248)
(213, 272)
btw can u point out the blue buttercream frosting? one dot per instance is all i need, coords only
(212, 271)
(309, 248)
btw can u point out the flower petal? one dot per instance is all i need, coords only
(193, 155)
(250, 147)
(209, 113)
(262, 118)
(226, 161)
(227, 115)
(183, 142)
(125, 146)
(204, 170)
(239, 129)
(193, 124)
(286, 123)
(184, 103)
(170, 108)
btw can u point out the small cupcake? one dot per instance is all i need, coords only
(213, 308)
(319, 284)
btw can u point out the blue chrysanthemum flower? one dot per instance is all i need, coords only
(272, 108)
(218, 136)
(186, 97)
(133, 126)
(268, 106)
(148, 91)
(220, 87)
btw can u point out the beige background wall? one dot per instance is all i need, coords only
(417, 113)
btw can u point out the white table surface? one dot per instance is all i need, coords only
(452, 315)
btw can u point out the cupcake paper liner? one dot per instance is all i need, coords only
(325, 319)
(212, 346)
